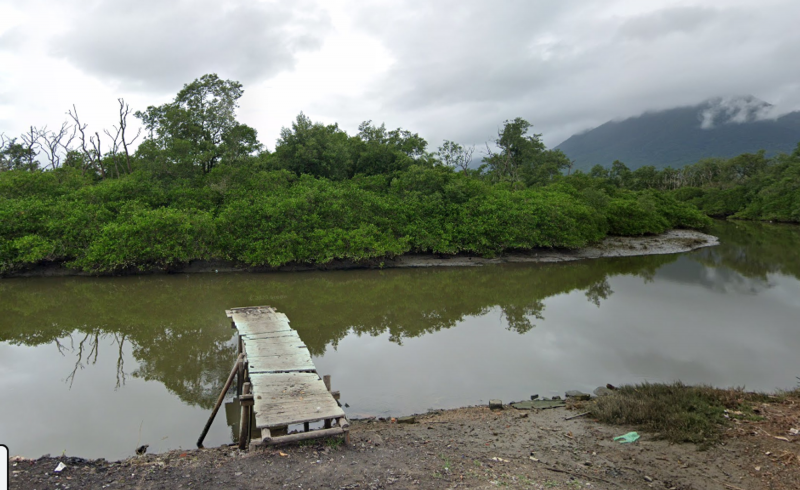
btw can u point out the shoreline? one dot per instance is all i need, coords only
(470, 447)
(673, 241)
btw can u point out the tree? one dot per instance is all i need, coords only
(620, 174)
(16, 156)
(313, 148)
(522, 156)
(598, 172)
(456, 156)
(378, 151)
(199, 127)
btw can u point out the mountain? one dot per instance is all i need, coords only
(719, 127)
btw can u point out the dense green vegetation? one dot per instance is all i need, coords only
(200, 186)
(749, 186)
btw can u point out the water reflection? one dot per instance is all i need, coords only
(172, 331)
(181, 338)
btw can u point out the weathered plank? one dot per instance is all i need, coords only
(284, 336)
(262, 365)
(300, 436)
(265, 349)
(258, 319)
(292, 398)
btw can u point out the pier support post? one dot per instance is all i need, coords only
(240, 373)
(246, 401)
(327, 380)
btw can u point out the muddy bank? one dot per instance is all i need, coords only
(674, 241)
(462, 448)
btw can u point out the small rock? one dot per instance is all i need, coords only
(602, 391)
(578, 395)
(556, 398)
(407, 420)
(533, 397)
(495, 404)
(647, 478)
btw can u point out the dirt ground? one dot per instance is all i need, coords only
(463, 448)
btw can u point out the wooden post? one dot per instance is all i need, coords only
(327, 380)
(246, 401)
(219, 401)
(240, 373)
(306, 426)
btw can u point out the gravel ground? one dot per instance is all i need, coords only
(462, 448)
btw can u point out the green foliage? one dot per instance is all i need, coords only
(198, 187)
(315, 149)
(199, 127)
(17, 156)
(149, 238)
(523, 157)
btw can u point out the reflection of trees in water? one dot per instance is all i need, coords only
(754, 249)
(599, 290)
(180, 337)
(88, 349)
(192, 363)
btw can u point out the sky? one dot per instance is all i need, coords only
(446, 69)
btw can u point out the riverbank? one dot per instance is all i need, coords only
(467, 448)
(673, 241)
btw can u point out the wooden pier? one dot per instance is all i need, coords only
(279, 389)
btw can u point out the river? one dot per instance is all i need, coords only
(95, 367)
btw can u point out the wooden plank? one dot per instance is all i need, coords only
(276, 419)
(267, 403)
(285, 343)
(292, 398)
(278, 382)
(278, 364)
(270, 349)
(301, 436)
(284, 336)
(266, 349)
(252, 323)
(250, 310)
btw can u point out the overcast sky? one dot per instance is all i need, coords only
(444, 69)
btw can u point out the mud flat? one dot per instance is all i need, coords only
(673, 241)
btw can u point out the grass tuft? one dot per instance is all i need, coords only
(675, 412)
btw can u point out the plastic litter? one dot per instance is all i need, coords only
(60, 467)
(629, 437)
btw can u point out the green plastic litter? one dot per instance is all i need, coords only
(629, 437)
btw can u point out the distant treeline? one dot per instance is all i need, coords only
(749, 186)
(200, 186)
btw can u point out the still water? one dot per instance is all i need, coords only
(95, 367)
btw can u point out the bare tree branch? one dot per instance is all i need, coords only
(91, 146)
(54, 143)
(124, 111)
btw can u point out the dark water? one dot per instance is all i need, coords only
(96, 366)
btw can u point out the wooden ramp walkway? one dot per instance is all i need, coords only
(278, 384)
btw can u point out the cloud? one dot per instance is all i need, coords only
(461, 68)
(677, 20)
(733, 110)
(151, 45)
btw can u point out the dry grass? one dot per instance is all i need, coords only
(675, 412)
